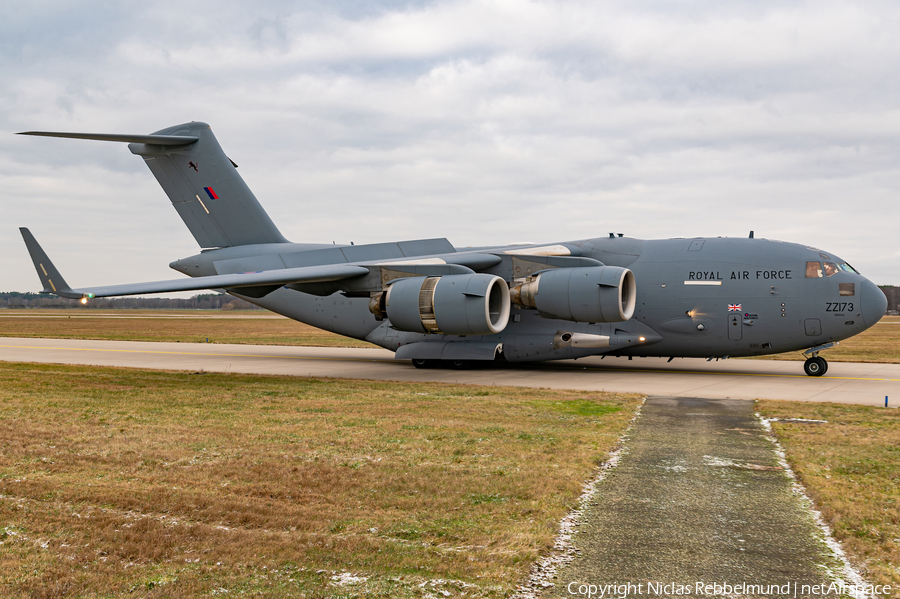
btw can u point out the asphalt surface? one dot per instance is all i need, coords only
(698, 496)
(845, 382)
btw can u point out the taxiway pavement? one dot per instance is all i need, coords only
(845, 382)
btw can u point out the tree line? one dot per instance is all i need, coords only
(205, 301)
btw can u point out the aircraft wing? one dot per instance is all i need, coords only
(54, 283)
(285, 276)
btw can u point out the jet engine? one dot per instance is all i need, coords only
(584, 294)
(473, 304)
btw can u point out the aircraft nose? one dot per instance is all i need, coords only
(873, 302)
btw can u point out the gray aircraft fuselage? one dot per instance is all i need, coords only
(704, 297)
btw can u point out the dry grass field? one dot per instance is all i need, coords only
(881, 343)
(850, 467)
(186, 326)
(121, 482)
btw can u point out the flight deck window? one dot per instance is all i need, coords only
(847, 289)
(830, 268)
(813, 270)
(847, 268)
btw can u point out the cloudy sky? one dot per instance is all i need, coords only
(483, 121)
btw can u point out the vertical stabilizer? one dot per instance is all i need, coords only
(206, 189)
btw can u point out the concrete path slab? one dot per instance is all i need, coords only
(845, 382)
(697, 497)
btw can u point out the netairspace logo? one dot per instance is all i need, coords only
(700, 589)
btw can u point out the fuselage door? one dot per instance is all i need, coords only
(735, 324)
(813, 327)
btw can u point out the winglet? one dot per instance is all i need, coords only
(50, 277)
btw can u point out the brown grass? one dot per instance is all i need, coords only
(851, 469)
(118, 482)
(169, 325)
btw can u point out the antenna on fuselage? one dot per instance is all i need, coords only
(751, 234)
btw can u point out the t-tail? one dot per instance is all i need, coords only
(201, 181)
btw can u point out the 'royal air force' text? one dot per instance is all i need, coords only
(739, 275)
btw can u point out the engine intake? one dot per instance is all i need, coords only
(584, 294)
(474, 304)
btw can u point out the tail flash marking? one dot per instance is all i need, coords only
(211, 193)
(202, 204)
(45, 270)
(52, 286)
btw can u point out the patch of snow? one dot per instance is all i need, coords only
(345, 579)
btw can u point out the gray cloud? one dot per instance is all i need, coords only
(484, 121)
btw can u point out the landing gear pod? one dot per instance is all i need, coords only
(476, 304)
(585, 294)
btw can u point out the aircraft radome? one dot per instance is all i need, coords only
(433, 303)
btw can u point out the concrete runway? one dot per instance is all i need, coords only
(846, 382)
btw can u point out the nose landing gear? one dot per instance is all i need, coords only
(815, 365)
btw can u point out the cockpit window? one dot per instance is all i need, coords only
(813, 270)
(847, 289)
(825, 256)
(847, 268)
(830, 268)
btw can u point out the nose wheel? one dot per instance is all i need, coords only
(815, 366)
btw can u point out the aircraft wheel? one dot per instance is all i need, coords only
(815, 366)
(424, 363)
(460, 364)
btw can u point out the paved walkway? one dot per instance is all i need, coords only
(698, 496)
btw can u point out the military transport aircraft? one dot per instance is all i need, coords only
(433, 303)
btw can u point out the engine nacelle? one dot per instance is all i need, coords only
(475, 304)
(584, 294)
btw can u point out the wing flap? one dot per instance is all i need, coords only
(284, 276)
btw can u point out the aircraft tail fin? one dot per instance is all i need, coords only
(52, 281)
(201, 181)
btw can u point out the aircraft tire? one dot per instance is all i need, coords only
(424, 363)
(815, 366)
(460, 364)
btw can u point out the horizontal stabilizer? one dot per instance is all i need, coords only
(159, 140)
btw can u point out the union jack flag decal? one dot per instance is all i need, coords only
(734, 307)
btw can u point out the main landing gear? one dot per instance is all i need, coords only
(815, 365)
(454, 364)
